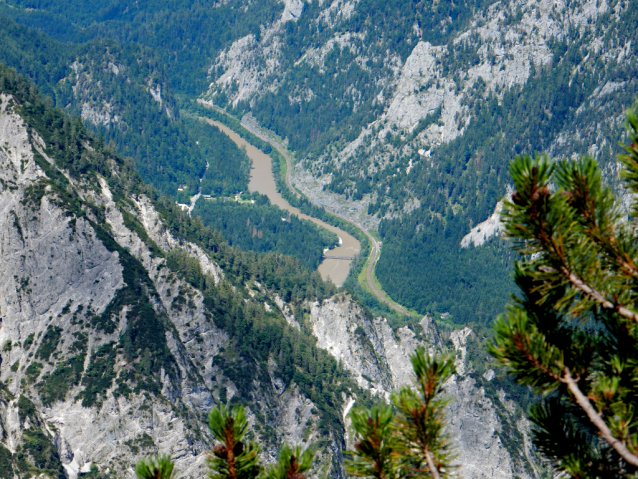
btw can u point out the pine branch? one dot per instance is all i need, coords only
(524, 347)
(413, 443)
(292, 463)
(232, 459)
(608, 241)
(597, 212)
(568, 443)
(592, 292)
(434, 470)
(158, 467)
(578, 314)
(421, 435)
(556, 248)
(596, 419)
(375, 446)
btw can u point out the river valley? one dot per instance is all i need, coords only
(263, 182)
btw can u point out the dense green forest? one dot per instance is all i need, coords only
(169, 149)
(262, 227)
(428, 271)
(184, 34)
(109, 86)
(228, 167)
(470, 175)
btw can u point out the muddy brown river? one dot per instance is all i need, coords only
(262, 181)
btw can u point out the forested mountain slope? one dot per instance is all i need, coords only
(121, 92)
(124, 321)
(405, 116)
(185, 34)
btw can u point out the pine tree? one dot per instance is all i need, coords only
(572, 333)
(233, 458)
(413, 442)
(424, 446)
(291, 463)
(159, 467)
(373, 455)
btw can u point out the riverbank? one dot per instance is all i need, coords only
(262, 181)
(369, 282)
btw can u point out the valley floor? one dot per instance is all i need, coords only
(262, 181)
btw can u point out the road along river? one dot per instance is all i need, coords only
(262, 181)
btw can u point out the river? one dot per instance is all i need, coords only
(262, 181)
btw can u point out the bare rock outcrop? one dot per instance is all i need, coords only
(79, 289)
(379, 357)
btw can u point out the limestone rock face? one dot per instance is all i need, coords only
(59, 275)
(473, 420)
(71, 294)
(343, 329)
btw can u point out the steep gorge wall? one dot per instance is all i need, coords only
(380, 360)
(66, 318)
(67, 324)
(429, 98)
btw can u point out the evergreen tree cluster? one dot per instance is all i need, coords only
(263, 227)
(572, 333)
(109, 85)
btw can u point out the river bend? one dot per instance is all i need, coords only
(262, 181)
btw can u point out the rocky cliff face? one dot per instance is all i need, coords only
(61, 280)
(106, 354)
(379, 357)
(428, 98)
